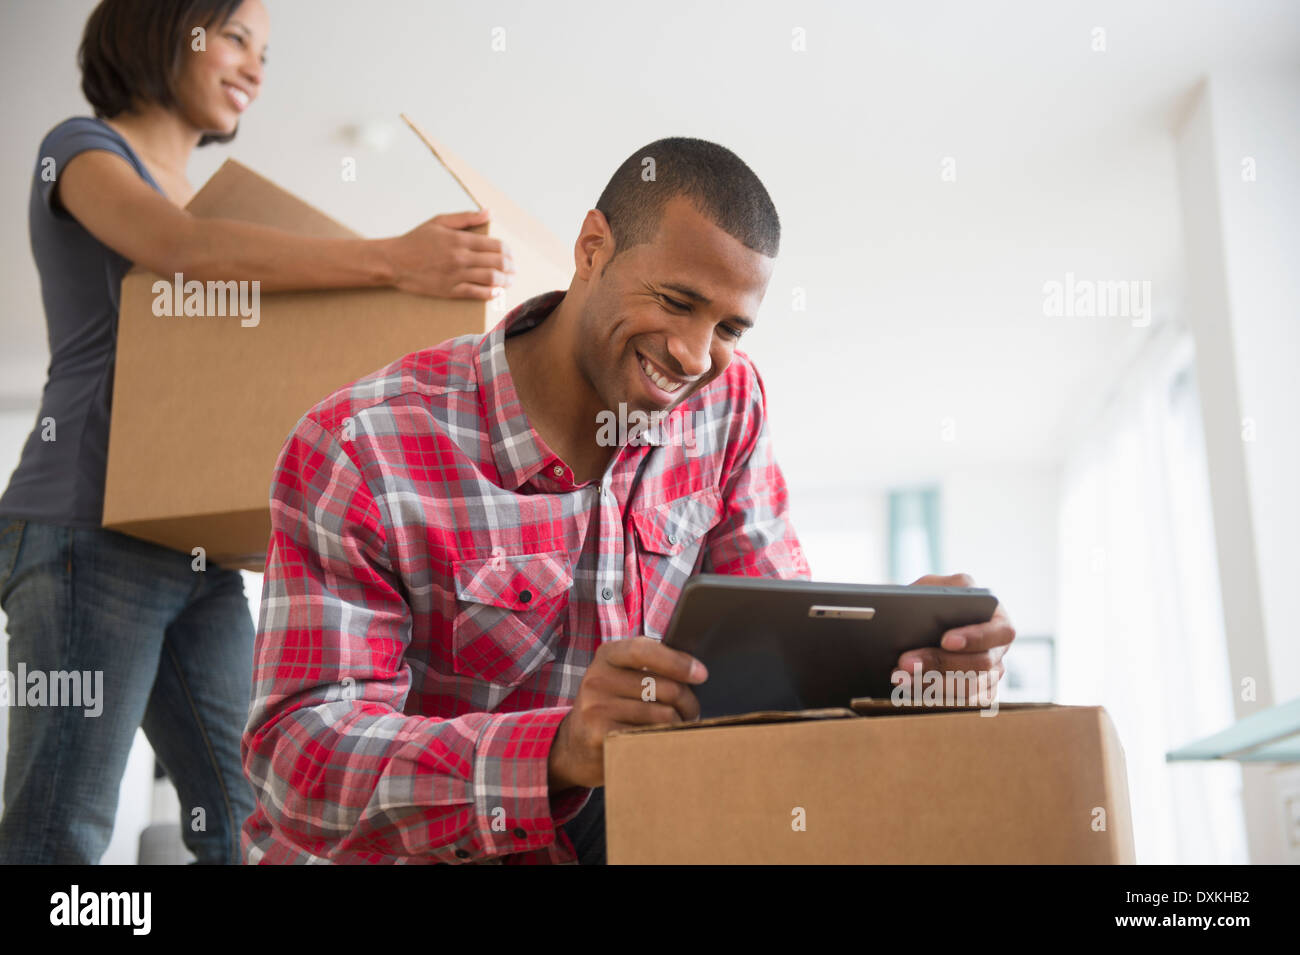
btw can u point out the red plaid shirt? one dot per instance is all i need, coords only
(437, 584)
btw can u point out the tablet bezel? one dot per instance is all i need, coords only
(787, 660)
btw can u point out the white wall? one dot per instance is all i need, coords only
(1000, 526)
(1241, 232)
(844, 531)
(998, 523)
(1259, 117)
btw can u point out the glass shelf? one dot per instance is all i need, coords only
(1271, 736)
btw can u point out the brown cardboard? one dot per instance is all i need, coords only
(879, 786)
(202, 405)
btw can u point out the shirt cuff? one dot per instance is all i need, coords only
(512, 799)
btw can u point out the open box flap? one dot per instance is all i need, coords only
(507, 216)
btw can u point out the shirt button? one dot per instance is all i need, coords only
(672, 538)
(558, 471)
(462, 854)
(520, 833)
(525, 596)
(607, 594)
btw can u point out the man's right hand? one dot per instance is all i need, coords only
(632, 682)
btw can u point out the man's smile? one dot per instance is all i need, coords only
(660, 378)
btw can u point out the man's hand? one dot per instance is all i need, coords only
(633, 682)
(977, 648)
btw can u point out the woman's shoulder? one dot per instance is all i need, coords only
(62, 143)
(78, 130)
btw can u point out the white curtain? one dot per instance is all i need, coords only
(1140, 629)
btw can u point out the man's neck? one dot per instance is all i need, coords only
(554, 395)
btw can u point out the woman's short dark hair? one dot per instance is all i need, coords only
(134, 50)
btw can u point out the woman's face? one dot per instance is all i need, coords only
(221, 80)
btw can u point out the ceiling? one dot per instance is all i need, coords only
(923, 344)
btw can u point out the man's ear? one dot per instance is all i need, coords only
(594, 246)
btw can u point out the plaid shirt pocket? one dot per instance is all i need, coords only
(511, 611)
(671, 537)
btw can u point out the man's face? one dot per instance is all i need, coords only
(662, 319)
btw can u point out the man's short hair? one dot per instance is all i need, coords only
(135, 49)
(712, 177)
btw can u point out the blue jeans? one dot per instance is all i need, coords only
(174, 649)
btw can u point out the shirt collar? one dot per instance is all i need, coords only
(517, 449)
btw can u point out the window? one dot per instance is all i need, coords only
(913, 534)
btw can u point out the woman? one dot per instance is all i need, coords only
(173, 648)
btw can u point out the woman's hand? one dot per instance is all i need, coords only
(442, 258)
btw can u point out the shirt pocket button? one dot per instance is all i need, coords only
(510, 614)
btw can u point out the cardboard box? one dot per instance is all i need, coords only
(203, 404)
(876, 784)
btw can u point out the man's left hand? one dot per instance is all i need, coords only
(978, 647)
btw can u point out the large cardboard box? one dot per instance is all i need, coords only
(1032, 783)
(203, 404)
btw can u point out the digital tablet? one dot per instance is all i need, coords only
(795, 644)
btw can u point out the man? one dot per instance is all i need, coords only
(468, 579)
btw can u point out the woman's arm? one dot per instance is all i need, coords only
(107, 196)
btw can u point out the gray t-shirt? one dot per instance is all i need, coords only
(61, 481)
